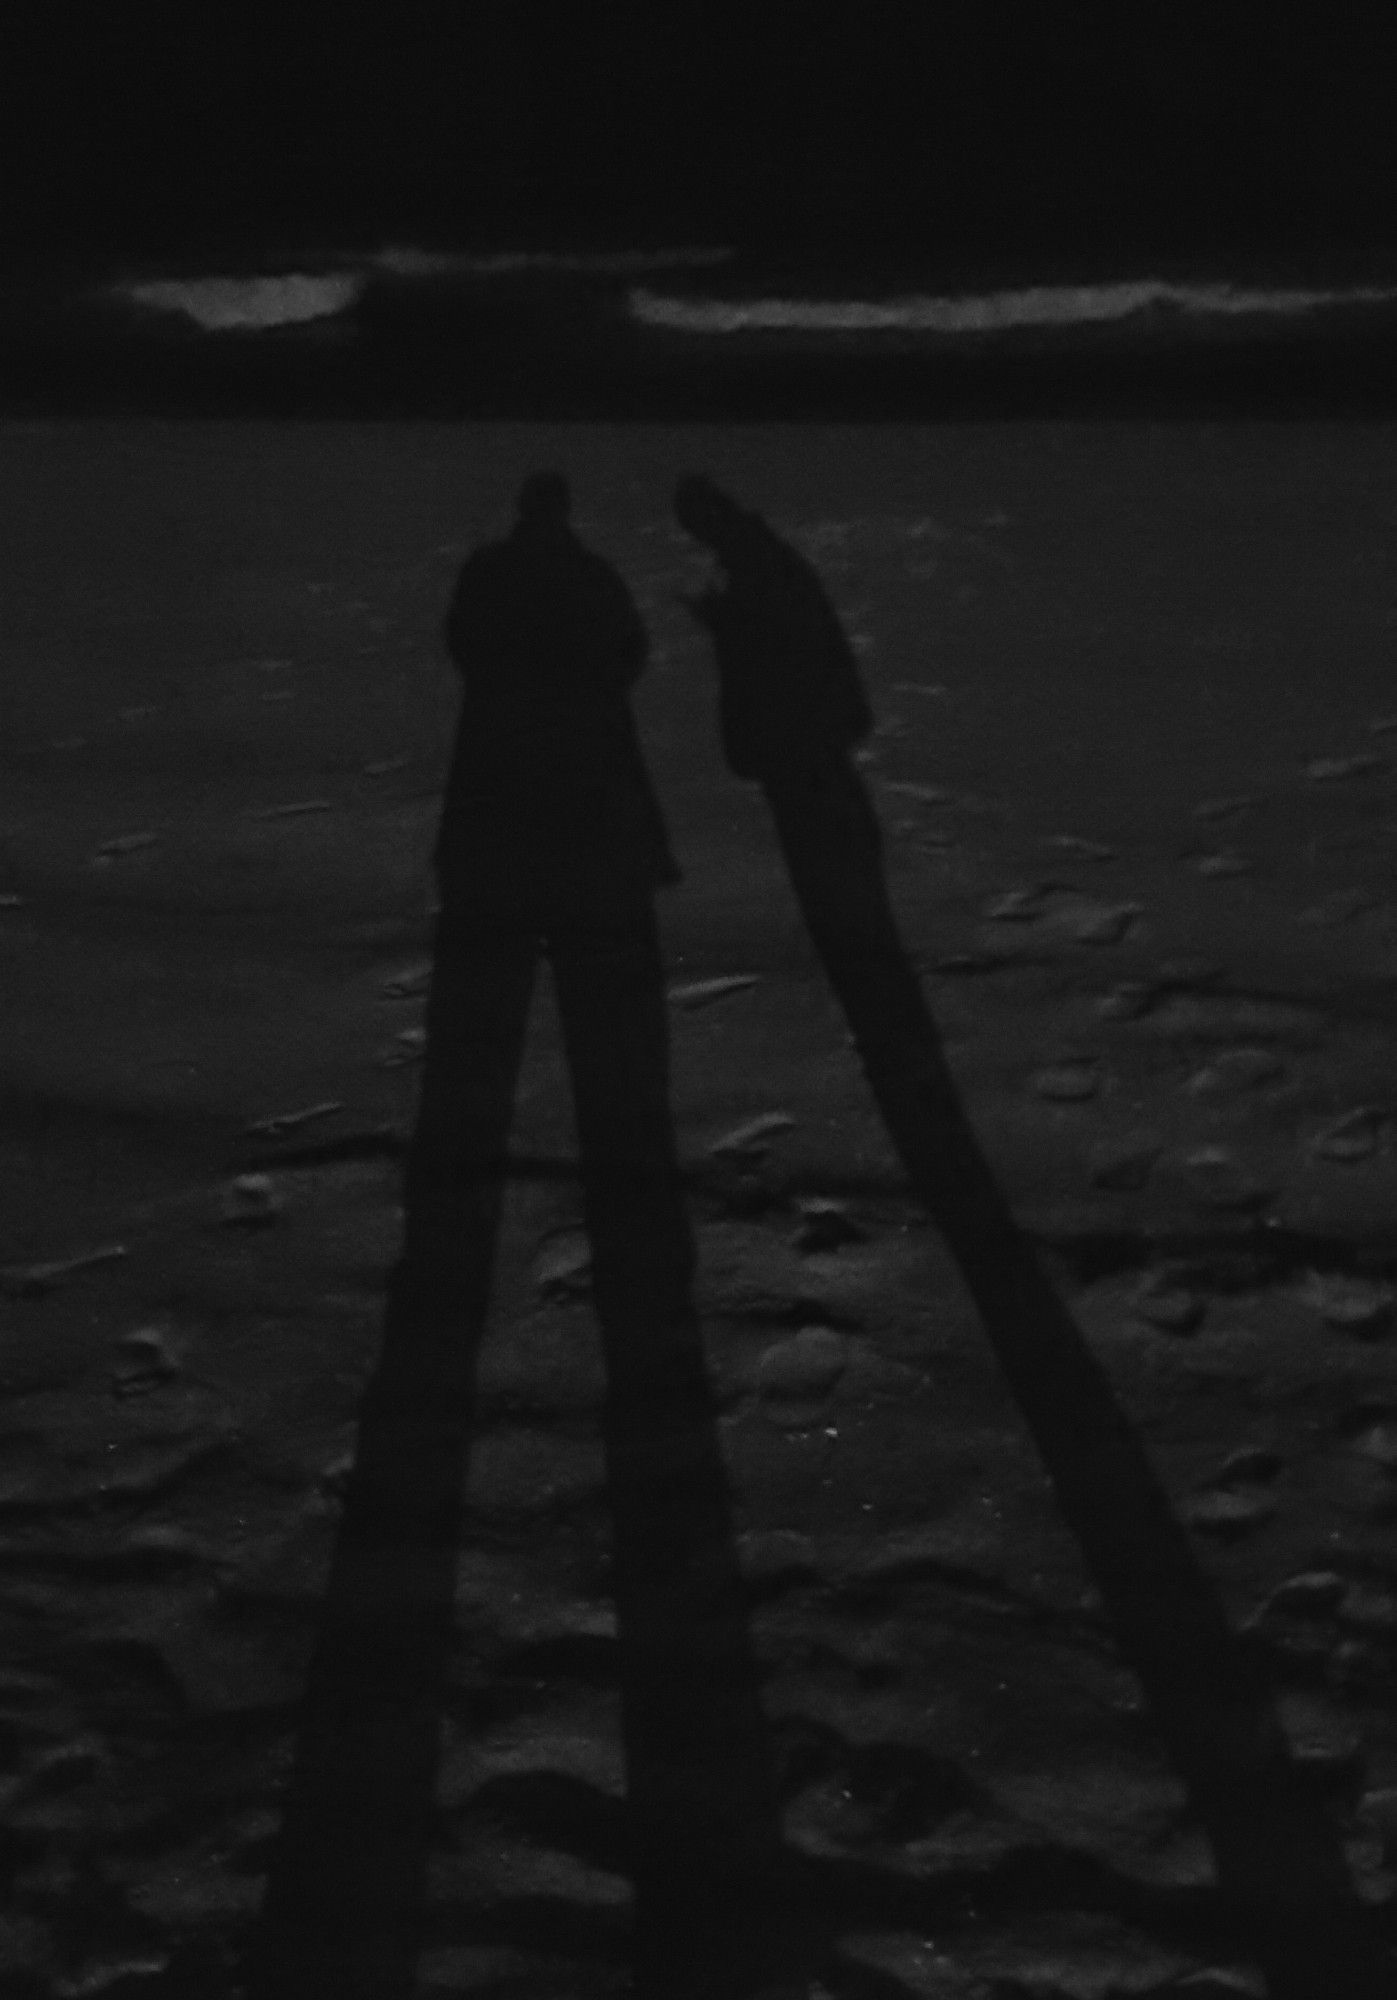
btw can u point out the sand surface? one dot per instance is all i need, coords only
(1141, 815)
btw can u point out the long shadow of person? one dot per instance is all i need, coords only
(551, 841)
(791, 709)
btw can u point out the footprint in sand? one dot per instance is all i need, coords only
(1017, 906)
(825, 1225)
(1377, 1441)
(795, 1376)
(563, 1268)
(122, 844)
(1126, 1163)
(1064, 913)
(1229, 1512)
(1228, 808)
(1100, 923)
(752, 1139)
(1188, 974)
(144, 1359)
(1217, 1179)
(1235, 1071)
(410, 1047)
(1362, 1306)
(251, 1201)
(1162, 1302)
(1339, 908)
(1079, 848)
(1223, 864)
(1328, 770)
(33, 1280)
(1370, 1606)
(1237, 1498)
(1355, 1136)
(410, 983)
(702, 992)
(1128, 1000)
(1067, 1082)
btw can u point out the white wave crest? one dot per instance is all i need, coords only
(1036, 306)
(219, 304)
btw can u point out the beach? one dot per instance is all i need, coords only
(1134, 765)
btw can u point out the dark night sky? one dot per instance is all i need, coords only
(156, 126)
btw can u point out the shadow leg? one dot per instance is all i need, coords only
(341, 1919)
(705, 1825)
(1280, 1862)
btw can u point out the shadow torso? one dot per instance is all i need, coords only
(789, 686)
(547, 800)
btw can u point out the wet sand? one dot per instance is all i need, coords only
(1138, 795)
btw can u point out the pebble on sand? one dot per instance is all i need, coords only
(251, 1201)
(1355, 1136)
(1357, 1305)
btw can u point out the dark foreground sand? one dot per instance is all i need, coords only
(1137, 673)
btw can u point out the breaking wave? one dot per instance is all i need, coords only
(994, 312)
(223, 303)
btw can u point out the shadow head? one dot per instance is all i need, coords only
(704, 511)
